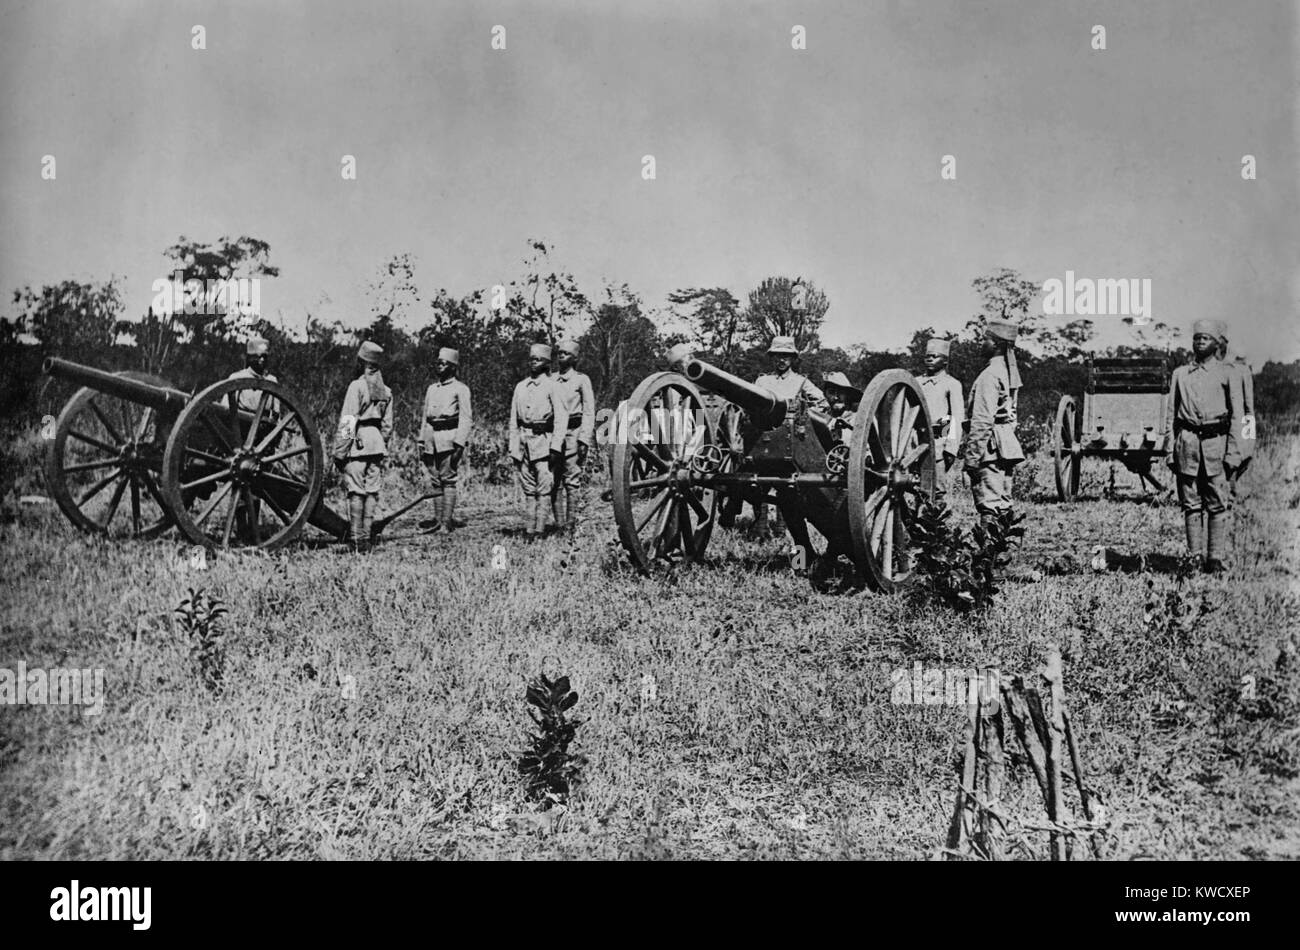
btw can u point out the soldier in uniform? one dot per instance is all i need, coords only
(944, 400)
(1202, 443)
(578, 406)
(787, 384)
(537, 432)
(444, 434)
(368, 413)
(992, 449)
(842, 399)
(1243, 382)
(255, 360)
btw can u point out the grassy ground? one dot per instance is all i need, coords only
(373, 707)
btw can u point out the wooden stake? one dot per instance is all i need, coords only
(1052, 677)
(991, 727)
(1078, 780)
(956, 830)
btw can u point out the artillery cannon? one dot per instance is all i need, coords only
(246, 444)
(672, 460)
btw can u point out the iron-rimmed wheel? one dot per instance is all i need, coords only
(664, 514)
(244, 466)
(1067, 456)
(891, 470)
(103, 466)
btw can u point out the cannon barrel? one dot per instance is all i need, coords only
(762, 405)
(160, 398)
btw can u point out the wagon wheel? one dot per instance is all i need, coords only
(103, 465)
(731, 437)
(663, 513)
(244, 465)
(1066, 451)
(891, 470)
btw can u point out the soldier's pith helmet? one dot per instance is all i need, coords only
(539, 351)
(841, 381)
(448, 355)
(370, 353)
(568, 346)
(783, 344)
(1003, 330)
(256, 346)
(938, 347)
(1208, 327)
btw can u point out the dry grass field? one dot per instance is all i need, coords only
(373, 706)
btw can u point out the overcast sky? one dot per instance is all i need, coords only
(823, 162)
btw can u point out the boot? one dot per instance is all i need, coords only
(1192, 523)
(557, 507)
(356, 505)
(761, 527)
(531, 503)
(447, 514)
(539, 524)
(1217, 543)
(570, 516)
(368, 521)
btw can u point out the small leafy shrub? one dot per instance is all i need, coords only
(549, 770)
(199, 616)
(958, 569)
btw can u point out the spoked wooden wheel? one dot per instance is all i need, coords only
(104, 463)
(891, 470)
(244, 466)
(664, 514)
(1066, 452)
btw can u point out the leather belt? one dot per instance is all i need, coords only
(575, 420)
(538, 428)
(442, 425)
(1206, 430)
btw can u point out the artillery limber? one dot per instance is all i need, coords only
(239, 463)
(676, 452)
(1124, 410)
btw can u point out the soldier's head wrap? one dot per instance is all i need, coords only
(937, 347)
(1006, 332)
(372, 354)
(539, 351)
(842, 381)
(679, 354)
(1221, 328)
(1208, 327)
(256, 346)
(568, 346)
(448, 355)
(783, 344)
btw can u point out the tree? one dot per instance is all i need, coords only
(244, 257)
(70, 317)
(774, 311)
(716, 320)
(393, 294)
(545, 298)
(1004, 295)
(620, 348)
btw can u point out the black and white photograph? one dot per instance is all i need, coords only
(862, 430)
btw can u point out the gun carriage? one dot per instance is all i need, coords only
(1124, 410)
(238, 464)
(677, 450)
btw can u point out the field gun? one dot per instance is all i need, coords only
(675, 456)
(238, 463)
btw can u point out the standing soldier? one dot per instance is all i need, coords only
(944, 400)
(255, 360)
(1202, 442)
(790, 386)
(368, 414)
(444, 434)
(537, 430)
(1243, 383)
(842, 400)
(992, 449)
(578, 406)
